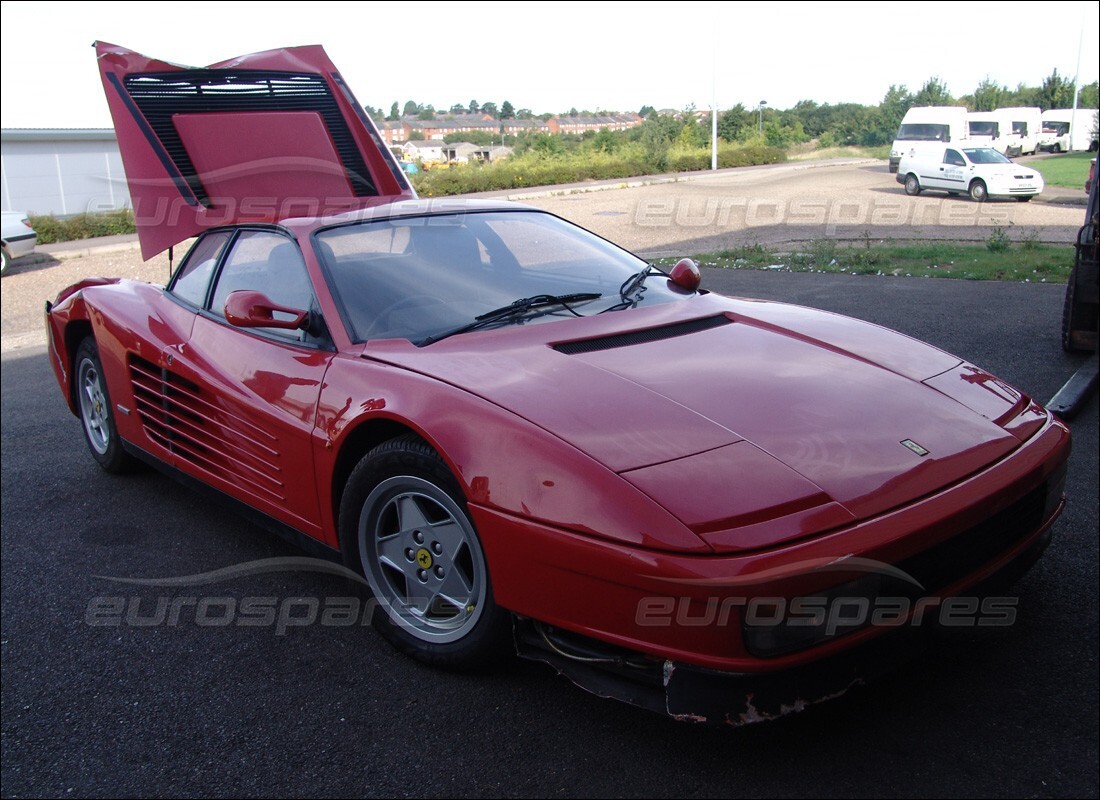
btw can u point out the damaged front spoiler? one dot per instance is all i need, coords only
(695, 694)
(691, 693)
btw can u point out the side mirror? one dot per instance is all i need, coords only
(685, 275)
(250, 309)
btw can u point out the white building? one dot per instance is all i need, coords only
(61, 171)
(424, 151)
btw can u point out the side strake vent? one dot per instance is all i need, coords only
(177, 417)
(641, 337)
(160, 95)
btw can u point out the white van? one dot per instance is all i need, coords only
(985, 128)
(980, 172)
(1010, 131)
(1065, 130)
(1026, 127)
(926, 127)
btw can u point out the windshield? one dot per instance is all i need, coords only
(1057, 128)
(924, 132)
(983, 129)
(422, 277)
(985, 155)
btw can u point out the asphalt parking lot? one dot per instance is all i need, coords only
(163, 709)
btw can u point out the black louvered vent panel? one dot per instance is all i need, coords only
(177, 416)
(159, 95)
(641, 337)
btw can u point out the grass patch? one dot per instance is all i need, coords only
(1070, 170)
(999, 259)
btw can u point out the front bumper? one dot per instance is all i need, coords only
(18, 246)
(1014, 190)
(692, 608)
(691, 693)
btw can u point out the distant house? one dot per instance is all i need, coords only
(393, 133)
(459, 152)
(594, 122)
(423, 151)
(445, 125)
(396, 132)
(493, 153)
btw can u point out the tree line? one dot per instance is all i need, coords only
(830, 124)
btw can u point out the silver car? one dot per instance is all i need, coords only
(19, 237)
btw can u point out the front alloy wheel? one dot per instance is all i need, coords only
(422, 558)
(978, 192)
(405, 527)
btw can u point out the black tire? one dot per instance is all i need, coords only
(1056, 149)
(97, 413)
(1082, 343)
(405, 527)
(1067, 315)
(978, 192)
(912, 185)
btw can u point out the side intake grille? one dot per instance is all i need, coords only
(176, 416)
(159, 95)
(641, 337)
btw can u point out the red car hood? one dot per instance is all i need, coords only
(815, 401)
(258, 138)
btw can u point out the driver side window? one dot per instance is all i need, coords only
(268, 263)
(953, 158)
(193, 276)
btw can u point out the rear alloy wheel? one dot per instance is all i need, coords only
(96, 412)
(405, 527)
(978, 192)
(912, 185)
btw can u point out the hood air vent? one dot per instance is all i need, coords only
(641, 337)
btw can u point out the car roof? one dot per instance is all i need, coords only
(404, 209)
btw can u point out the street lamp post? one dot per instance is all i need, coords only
(760, 116)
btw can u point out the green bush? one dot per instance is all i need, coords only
(51, 229)
(542, 167)
(998, 240)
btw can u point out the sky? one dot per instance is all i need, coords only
(552, 56)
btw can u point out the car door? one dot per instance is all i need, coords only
(248, 397)
(952, 174)
(154, 337)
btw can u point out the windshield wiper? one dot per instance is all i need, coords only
(517, 309)
(634, 284)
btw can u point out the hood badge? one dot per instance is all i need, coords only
(916, 448)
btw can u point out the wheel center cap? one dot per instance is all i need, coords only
(424, 558)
